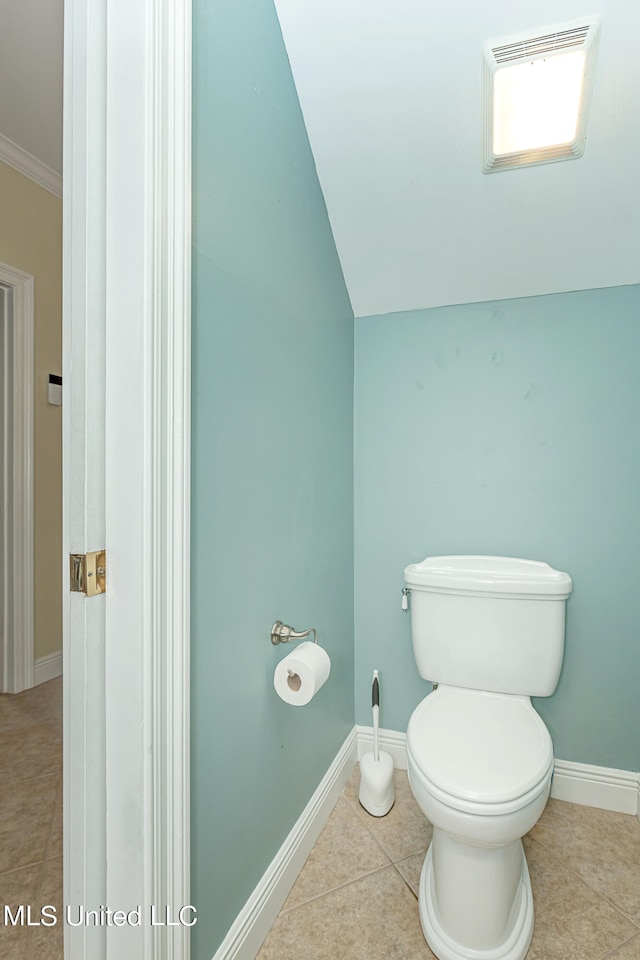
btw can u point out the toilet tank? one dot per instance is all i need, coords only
(489, 623)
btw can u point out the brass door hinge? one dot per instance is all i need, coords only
(88, 572)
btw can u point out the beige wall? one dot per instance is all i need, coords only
(31, 240)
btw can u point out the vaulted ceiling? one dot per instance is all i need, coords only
(391, 94)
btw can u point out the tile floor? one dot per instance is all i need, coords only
(355, 898)
(31, 818)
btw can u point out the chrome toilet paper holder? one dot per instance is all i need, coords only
(282, 633)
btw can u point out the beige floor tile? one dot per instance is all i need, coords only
(584, 873)
(351, 789)
(375, 918)
(601, 846)
(25, 826)
(17, 888)
(572, 920)
(47, 942)
(405, 830)
(35, 751)
(55, 840)
(39, 705)
(31, 766)
(50, 891)
(410, 870)
(628, 951)
(344, 851)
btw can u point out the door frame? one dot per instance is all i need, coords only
(17, 656)
(126, 460)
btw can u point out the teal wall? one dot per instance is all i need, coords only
(272, 534)
(507, 428)
(502, 428)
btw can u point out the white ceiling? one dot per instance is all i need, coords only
(31, 78)
(391, 96)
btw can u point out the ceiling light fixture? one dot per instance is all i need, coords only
(537, 92)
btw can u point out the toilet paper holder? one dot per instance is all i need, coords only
(282, 633)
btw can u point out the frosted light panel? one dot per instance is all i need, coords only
(537, 104)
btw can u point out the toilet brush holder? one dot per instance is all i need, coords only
(377, 793)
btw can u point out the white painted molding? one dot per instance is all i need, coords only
(18, 602)
(603, 787)
(29, 166)
(83, 485)
(48, 667)
(254, 921)
(168, 406)
(590, 786)
(126, 238)
(147, 338)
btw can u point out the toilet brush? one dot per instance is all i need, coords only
(376, 769)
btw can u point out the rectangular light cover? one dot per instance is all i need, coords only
(537, 104)
(536, 96)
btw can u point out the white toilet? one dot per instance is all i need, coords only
(489, 633)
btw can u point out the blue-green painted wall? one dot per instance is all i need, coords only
(272, 528)
(507, 428)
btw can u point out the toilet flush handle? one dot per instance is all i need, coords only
(406, 591)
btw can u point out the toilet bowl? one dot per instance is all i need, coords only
(480, 767)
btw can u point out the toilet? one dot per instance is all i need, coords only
(488, 632)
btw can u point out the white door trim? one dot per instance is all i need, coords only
(18, 656)
(126, 204)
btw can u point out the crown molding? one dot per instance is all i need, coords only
(29, 166)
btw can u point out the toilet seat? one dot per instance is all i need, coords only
(479, 752)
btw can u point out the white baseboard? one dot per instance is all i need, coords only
(392, 741)
(603, 787)
(48, 668)
(258, 915)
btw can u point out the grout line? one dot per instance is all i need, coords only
(613, 952)
(358, 807)
(614, 905)
(405, 881)
(340, 886)
(601, 896)
(551, 848)
(24, 866)
(353, 879)
(53, 820)
(39, 776)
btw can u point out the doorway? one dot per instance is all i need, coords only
(17, 493)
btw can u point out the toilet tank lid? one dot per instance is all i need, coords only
(496, 575)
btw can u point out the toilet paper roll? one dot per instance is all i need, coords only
(300, 675)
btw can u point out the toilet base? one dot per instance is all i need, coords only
(516, 942)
